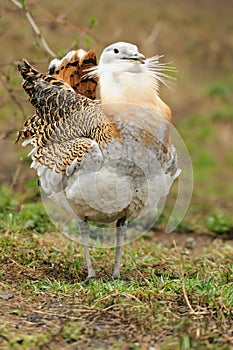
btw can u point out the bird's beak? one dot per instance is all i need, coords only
(137, 57)
(141, 58)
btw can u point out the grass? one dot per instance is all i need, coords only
(169, 297)
(176, 290)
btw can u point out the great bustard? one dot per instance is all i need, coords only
(119, 145)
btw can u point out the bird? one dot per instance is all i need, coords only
(108, 159)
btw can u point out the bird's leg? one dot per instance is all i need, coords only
(84, 231)
(121, 227)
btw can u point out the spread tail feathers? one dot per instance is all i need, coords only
(69, 74)
(73, 68)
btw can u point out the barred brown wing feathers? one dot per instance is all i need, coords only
(57, 156)
(29, 128)
(66, 75)
(65, 123)
(53, 99)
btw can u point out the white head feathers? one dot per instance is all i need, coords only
(123, 57)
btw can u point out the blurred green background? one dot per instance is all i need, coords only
(195, 35)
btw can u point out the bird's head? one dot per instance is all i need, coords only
(125, 75)
(122, 57)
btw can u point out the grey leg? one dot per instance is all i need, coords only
(84, 231)
(121, 234)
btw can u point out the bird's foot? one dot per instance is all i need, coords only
(89, 279)
(116, 276)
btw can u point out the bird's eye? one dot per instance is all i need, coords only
(116, 50)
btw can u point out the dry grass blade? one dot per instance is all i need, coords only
(183, 283)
